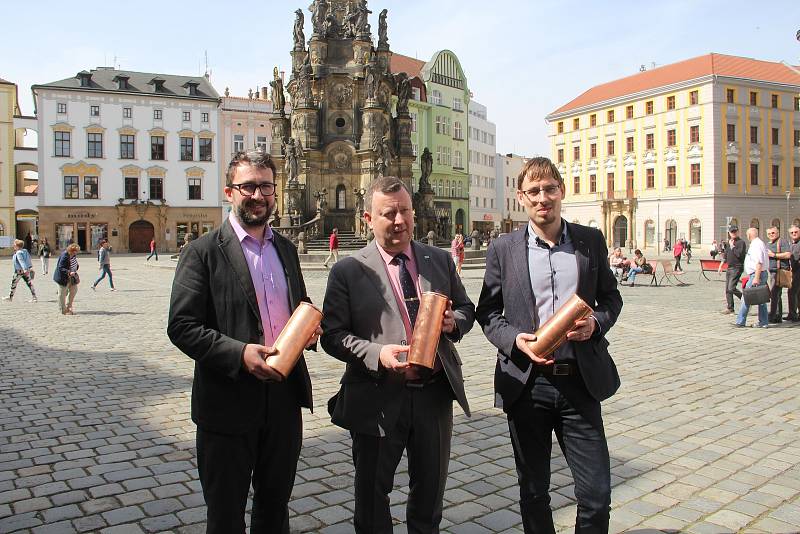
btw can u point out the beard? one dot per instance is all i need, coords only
(248, 218)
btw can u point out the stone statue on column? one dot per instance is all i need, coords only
(319, 10)
(383, 154)
(383, 39)
(278, 98)
(362, 20)
(299, 36)
(292, 151)
(403, 92)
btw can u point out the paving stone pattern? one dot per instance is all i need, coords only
(95, 434)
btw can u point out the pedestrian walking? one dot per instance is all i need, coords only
(333, 247)
(457, 252)
(153, 251)
(104, 258)
(28, 243)
(666, 245)
(66, 276)
(756, 264)
(734, 252)
(794, 264)
(687, 251)
(23, 268)
(677, 250)
(44, 255)
(779, 253)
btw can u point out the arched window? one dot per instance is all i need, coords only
(777, 224)
(341, 197)
(796, 222)
(755, 223)
(695, 231)
(650, 234)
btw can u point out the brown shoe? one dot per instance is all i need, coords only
(727, 312)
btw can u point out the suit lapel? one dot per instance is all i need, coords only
(582, 259)
(231, 249)
(376, 272)
(424, 267)
(519, 255)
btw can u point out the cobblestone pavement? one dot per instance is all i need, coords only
(95, 432)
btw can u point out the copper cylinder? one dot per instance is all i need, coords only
(427, 329)
(553, 333)
(294, 337)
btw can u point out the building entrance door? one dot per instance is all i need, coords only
(139, 235)
(620, 231)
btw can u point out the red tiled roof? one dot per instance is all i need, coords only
(409, 65)
(689, 69)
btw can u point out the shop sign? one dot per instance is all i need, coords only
(487, 217)
(81, 215)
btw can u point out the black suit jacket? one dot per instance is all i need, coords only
(362, 315)
(507, 303)
(213, 314)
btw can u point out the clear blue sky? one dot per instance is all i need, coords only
(523, 59)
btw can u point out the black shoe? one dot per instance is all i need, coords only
(790, 318)
(737, 325)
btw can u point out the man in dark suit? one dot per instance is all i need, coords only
(387, 404)
(234, 289)
(530, 273)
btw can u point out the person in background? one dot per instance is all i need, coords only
(23, 268)
(756, 263)
(104, 258)
(153, 251)
(677, 250)
(333, 247)
(794, 263)
(734, 252)
(457, 252)
(778, 252)
(666, 245)
(687, 250)
(66, 276)
(44, 254)
(638, 266)
(617, 262)
(28, 244)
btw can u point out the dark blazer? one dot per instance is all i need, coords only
(61, 272)
(507, 303)
(362, 315)
(213, 314)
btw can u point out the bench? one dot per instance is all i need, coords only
(668, 269)
(716, 266)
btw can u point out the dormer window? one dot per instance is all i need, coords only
(158, 84)
(85, 78)
(191, 87)
(122, 82)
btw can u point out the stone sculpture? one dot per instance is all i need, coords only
(383, 39)
(278, 98)
(292, 151)
(299, 36)
(403, 92)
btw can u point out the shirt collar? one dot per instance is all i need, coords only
(537, 241)
(242, 234)
(388, 256)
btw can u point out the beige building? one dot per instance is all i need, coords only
(507, 169)
(683, 150)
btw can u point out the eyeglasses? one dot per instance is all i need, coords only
(533, 193)
(249, 189)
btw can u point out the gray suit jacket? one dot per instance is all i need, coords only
(507, 303)
(362, 315)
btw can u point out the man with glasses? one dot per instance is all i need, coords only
(234, 290)
(794, 262)
(530, 274)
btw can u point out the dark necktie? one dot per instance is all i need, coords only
(409, 289)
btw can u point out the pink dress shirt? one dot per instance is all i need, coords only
(269, 280)
(393, 271)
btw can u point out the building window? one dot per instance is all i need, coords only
(670, 102)
(62, 141)
(593, 150)
(648, 107)
(731, 172)
(157, 188)
(593, 183)
(629, 180)
(628, 112)
(560, 127)
(576, 185)
(576, 123)
(610, 181)
(157, 114)
(797, 138)
(776, 173)
(205, 148)
(91, 189)
(560, 158)
(695, 174)
(457, 162)
(413, 122)
(95, 145)
(457, 131)
(797, 176)
(754, 135)
(157, 147)
(730, 96)
(131, 188)
(774, 101)
(238, 143)
(650, 178)
(775, 136)
(94, 111)
(70, 187)
(629, 144)
(754, 174)
(126, 147)
(694, 134)
(204, 117)
(576, 152)
(457, 104)
(611, 148)
(797, 103)
(187, 116)
(593, 119)
(127, 113)
(61, 108)
(649, 141)
(731, 133)
(195, 188)
(693, 98)
(670, 137)
(261, 143)
(671, 180)
(436, 97)
(610, 115)
(187, 148)
(753, 98)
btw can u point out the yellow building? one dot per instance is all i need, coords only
(8, 108)
(683, 150)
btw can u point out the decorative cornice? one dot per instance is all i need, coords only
(131, 171)
(156, 171)
(127, 130)
(81, 168)
(62, 127)
(195, 172)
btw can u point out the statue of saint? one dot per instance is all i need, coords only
(426, 165)
(403, 92)
(362, 20)
(278, 98)
(292, 151)
(299, 36)
(383, 40)
(331, 27)
(372, 80)
(383, 154)
(319, 10)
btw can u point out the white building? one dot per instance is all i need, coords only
(484, 212)
(507, 169)
(128, 156)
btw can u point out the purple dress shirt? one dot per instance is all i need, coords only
(269, 280)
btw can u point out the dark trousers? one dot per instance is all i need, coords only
(153, 252)
(561, 404)
(678, 263)
(775, 303)
(105, 270)
(424, 429)
(266, 455)
(732, 276)
(794, 295)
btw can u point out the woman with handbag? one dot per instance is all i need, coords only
(23, 268)
(756, 264)
(66, 276)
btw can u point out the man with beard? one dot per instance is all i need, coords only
(234, 290)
